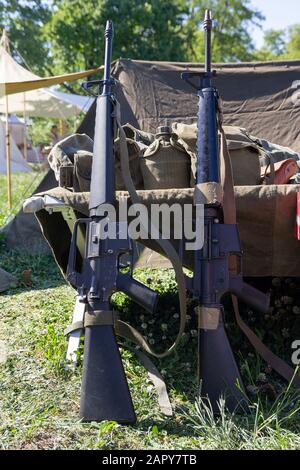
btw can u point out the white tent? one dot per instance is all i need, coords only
(45, 103)
(17, 162)
(17, 128)
(16, 79)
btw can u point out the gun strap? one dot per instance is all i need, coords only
(109, 317)
(95, 318)
(165, 245)
(278, 364)
(156, 378)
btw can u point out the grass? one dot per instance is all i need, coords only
(23, 185)
(40, 399)
(39, 406)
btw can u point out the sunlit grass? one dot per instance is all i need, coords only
(39, 403)
(23, 184)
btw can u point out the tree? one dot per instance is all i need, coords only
(24, 21)
(149, 30)
(144, 30)
(280, 44)
(293, 42)
(57, 36)
(231, 39)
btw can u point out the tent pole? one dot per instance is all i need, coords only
(62, 127)
(25, 127)
(7, 140)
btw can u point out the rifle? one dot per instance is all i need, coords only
(213, 273)
(104, 391)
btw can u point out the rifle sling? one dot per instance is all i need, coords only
(156, 378)
(165, 245)
(96, 318)
(276, 363)
(109, 317)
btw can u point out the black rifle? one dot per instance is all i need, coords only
(104, 391)
(218, 370)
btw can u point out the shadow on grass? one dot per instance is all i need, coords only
(40, 271)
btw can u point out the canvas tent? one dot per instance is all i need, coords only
(16, 126)
(16, 79)
(18, 164)
(262, 97)
(46, 103)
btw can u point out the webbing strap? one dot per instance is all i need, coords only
(96, 318)
(77, 325)
(157, 380)
(278, 364)
(165, 245)
(108, 317)
(229, 209)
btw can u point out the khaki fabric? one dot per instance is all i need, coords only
(156, 163)
(16, 79)
(262, 97)
(82, 170)
(244, 156)
(243, 152)
(63, 154)
(135, 148)
(165, 164)
(76, 152)
(247, 153)
(265, 215)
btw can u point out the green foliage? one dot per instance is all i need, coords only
(23, 185)
(145, 30)
(39, 131)
(58, 36)
(150, 30)
(75, 33)
(24, 20)
(40, 400)
(281, 44)
(275, 41)
(65, 35)
(153, 30)
(231, 39)
(293, 42)
(274, 45)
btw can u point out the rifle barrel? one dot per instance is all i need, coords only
(207, 25)
(109, 32)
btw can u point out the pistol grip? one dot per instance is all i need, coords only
(248, 294)
(141, 294)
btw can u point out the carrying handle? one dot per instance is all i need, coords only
(203, 77)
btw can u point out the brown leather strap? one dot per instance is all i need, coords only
(229, 209)
(278, 364)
